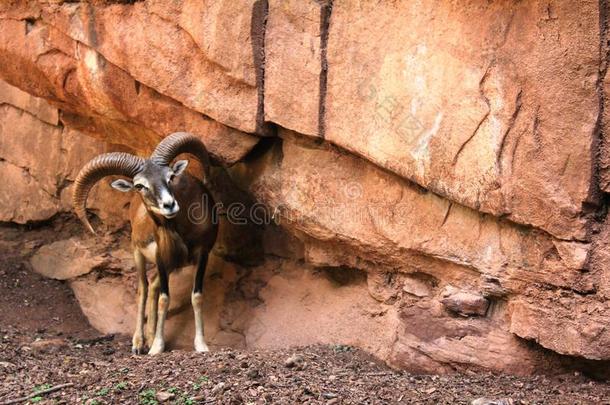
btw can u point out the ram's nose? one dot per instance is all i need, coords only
(170, 208)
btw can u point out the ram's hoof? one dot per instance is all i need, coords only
(138, 346)
(200, 346)
(157, 347)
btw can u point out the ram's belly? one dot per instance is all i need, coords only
(179, 258)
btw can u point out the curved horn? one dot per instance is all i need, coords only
(108, 164)
(182, 142)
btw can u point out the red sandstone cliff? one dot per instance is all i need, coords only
(438, 169)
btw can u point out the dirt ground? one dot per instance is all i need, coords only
(47, 345)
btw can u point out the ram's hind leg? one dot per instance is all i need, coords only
(137, 343)
(197, 301)
(153, 301)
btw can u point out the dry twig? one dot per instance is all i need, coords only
(35, 394)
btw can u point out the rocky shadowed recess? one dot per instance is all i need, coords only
(499, 276)
(432, 174)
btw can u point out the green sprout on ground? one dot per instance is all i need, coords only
(148, 397)
(42, 387)
(202, 380)
(120, 386)
(37, 389)
(94, 402)
(173, 390)
(102, 392)
(186, 400)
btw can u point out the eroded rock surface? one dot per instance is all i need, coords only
(292, 65)
(377, 222)
(66, 259)
(464, 101)
(431, 177)
(39, 160)
(464, 303)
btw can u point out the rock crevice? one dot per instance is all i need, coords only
(325, 14)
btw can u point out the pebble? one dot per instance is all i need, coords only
(295, 361)
(218, 388)
(163, 396)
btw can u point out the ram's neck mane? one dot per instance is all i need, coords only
(171, 250)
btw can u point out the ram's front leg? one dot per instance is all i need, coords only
(138, 344)
(153, 301)
(158, 345)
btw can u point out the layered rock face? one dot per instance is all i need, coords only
(39, 159)
(430, 175)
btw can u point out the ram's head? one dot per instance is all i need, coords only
(151, 178)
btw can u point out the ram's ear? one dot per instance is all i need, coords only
(179, 167)
(122, 185)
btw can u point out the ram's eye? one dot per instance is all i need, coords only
(172, 177)
(139, 187)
